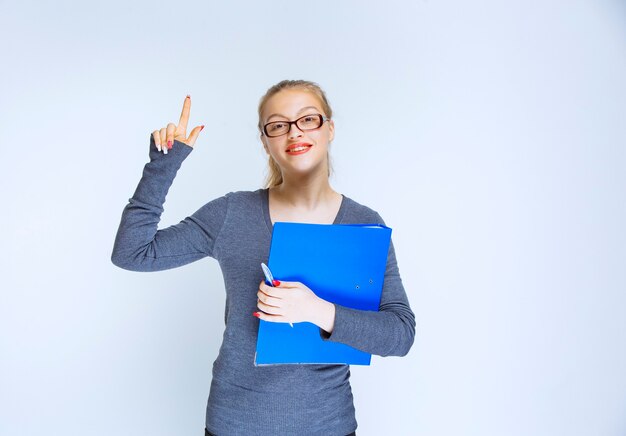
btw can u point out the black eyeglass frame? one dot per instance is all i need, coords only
(322, 118)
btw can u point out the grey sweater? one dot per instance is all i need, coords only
(236, 230)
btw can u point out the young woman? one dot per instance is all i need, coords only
(296, 129)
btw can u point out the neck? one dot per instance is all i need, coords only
(305, 192)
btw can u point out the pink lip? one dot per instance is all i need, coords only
(299, 144)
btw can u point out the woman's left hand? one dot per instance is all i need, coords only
(294, 302)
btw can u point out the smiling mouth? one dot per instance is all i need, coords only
(299, 148)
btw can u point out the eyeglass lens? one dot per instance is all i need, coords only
(307, 122)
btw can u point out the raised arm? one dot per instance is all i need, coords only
(139, 246)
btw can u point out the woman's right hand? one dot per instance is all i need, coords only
(164, 138)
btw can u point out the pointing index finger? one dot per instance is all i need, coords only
(184, 116)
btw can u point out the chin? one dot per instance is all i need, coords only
(307, 171)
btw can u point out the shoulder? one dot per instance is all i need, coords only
(235, 198)
(357, 213)
(245, 195)
(245, 200)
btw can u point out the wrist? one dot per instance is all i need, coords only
(325, 316)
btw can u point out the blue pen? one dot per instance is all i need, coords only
(269, 278)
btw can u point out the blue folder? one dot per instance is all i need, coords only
(341, 263)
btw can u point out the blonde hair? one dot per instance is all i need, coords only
(274, 176)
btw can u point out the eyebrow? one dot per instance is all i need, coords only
(300, 111)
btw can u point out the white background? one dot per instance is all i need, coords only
(490, 136)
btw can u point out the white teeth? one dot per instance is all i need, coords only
(293, 150)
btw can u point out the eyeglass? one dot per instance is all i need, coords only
(307, 122)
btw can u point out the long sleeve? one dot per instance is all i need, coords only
(139, 246)
(388, 332)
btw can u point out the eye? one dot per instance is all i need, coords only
(309, 122)
(276, 126)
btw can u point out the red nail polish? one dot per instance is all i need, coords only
(276, 283)
(169, 144)
(257, 314)
(201, 127)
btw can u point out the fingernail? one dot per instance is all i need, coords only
(201, 127)
(257, 314)
(188, 96)
(164, 150)
(169, 144)
(276, 283)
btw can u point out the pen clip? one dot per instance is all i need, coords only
(269, 278)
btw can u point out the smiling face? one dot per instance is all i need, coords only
(297, 152)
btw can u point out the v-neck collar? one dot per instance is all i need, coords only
(265, 205)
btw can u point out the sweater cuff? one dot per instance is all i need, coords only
(179, 151)
(345, 327)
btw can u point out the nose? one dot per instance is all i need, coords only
(294, 131)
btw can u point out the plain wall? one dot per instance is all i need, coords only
(489, 135)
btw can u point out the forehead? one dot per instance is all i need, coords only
(288, 103)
